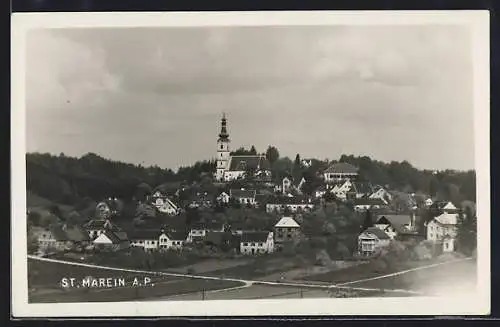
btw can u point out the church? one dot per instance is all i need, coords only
(230, 168)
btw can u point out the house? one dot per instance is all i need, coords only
(53, 238)
(340, 171)
(164, 204)
(371, 241)
(428, 202)
(96, 227)
(108, 208)
(221, 240)
(148, 239)
(320, 191)
(364, 204)
(223, 198)
(290, 203)
(244, 197)
(200, 200)
(444, 206)
(307, 163)
(286, 229)
(395, 225)
(172, 240)
(257, 242)
(443, 230)
(112, 240)
(382, 194)
(198, 231)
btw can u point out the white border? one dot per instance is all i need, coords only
(473, 304)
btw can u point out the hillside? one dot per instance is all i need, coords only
(79, 181)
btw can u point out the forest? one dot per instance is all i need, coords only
(69, 180)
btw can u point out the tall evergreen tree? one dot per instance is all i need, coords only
(253, 151)
(368, 221)
(467, 231)
(272, 154)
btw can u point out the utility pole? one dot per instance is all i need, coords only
(301, 293)
(203, 294)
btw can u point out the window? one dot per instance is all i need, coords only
(261, 244)
(446, 246)
(222, 148)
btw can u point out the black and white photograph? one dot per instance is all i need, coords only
(228, 164)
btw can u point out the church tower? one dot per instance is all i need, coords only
(222, 150)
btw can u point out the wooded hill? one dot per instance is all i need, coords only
(69, 180)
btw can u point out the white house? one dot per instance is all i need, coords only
(394, 225)
(96, 227)
(443, 229)
(172, 240)
(292, 204)
(198, 231)
(148, 239)
(244, 197)
(428, 202)
(223, 198)
(112, 240)
(382, 194)
(53, 238)
(286, 229)
(257, 242)
(371, 241)
(339, 172)
(164, 204)
(364, 204)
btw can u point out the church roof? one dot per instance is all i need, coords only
(342, 167)
(255, 162)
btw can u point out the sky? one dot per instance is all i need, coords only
(155, 96)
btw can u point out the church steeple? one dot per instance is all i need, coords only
(223, 131)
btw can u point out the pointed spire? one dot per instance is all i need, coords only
(223, 131)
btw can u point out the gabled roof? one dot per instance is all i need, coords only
(440, 205)
(447, 219)
(363, 187)
(377, 232)
(398, 222)
(242, 193)
(177, 235)
(290, 200)
(254, 236)
(342, 167)
(287, 222)
(100, 224)
(144, 234)
(115, 238)
(368, 201)
(258, 162)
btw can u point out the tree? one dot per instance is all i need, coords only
(368, 221)
(272, 154)
(467, 232)
(253, 151)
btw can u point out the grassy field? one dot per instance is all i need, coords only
(445, 279)
(363, 271)
(45, 287)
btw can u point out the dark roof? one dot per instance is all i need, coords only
(116, 237)
(100, 224)
(114, 204)
(290, 200)
(242, 193)
(254, 236)
(366, 201)
(240, 163)
(217, 237)
(207, 225)
(377, 232)
(396, 221)
(177, 235)
(144, 234)
(342, 167)
(361, 187)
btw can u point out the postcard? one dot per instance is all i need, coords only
(250, 163)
